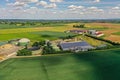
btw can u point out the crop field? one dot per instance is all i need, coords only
(111, 30)
(35, 36)
(95, 65)
(16, 25)
(117, 33)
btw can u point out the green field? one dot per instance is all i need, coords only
(35, 36)
(31, 25)
(117, 33)
(8, 26)
(99, 65)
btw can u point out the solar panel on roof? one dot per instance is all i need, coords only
(75, 44)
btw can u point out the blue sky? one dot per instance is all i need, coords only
(59, 9)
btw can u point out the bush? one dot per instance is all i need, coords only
(35, 44)
(24, 52)
(48, 49)
(79, 26)
(38, 44)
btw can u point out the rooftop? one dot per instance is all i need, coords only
(75, 44)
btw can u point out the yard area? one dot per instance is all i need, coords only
(98, 65)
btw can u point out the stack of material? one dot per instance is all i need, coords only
(8, 49)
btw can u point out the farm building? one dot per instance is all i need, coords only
(34, 48)
(95, 33)
(92, 32)
(23, 41)
(75, 46)
(98, 34)
(77, 31)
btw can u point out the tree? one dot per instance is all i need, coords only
(24, 52)
(35, 44)
(42, 43)
(79, 26)
(48, 49)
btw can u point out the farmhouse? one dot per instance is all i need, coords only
(77, 31)
(75, 46)
(95, 33)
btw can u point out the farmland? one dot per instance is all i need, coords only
(95, 65)
(111, 30)
(35, 36)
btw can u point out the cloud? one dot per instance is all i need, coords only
(115, 10)
(73, 7)
(68, 10)
(52, 5)
(17, 4)
(97, 1)
(55, 1)
(117, 7)
(27, 1)
(46, 5)
(7, 0)
(42, 3)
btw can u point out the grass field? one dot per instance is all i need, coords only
(99, 65)
(35, 36)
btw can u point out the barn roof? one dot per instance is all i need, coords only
(34, 48)
(82, 44)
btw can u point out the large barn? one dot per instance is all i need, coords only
(75, 46)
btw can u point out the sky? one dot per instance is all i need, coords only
(59, 9)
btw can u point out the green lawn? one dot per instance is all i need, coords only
(99, 65)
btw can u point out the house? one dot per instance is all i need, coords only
(75, 46)
(99, 34)
(95, 33)
(77, 31)
(92, 32)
